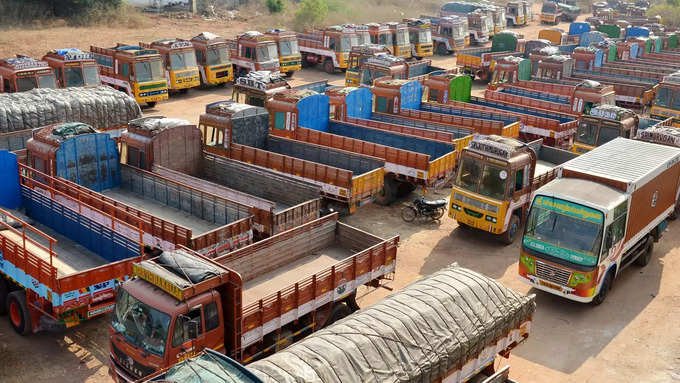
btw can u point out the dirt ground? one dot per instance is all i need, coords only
(633, 337)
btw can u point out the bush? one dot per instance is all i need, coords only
(670, 15)
(311, 13)
(275, 6)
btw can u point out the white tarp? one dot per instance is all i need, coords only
(418, 334)
(101, 107)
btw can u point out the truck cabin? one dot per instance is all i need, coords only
(179, 58)
(258, 87)
(382, 65)
(420, 36)
(25, 73)
(212, 56)
(497, 15)
(73, 67)
(556, 36)
(550, 12)
(400, 39)
(602, 124)
(481, 26)
(290, 59)
(667, 100)
(515, 13)
(334, 38)
(357, 59)
(381, 35)
(510, 69)
(257, 48)
(555, 68)
(363, 35)
(42, 148)
(455, 31)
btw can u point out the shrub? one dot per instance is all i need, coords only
(311, 13)
(275, 6)
(670, 14)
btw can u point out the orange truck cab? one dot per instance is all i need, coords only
(73, 67)
(449, 33)
(290, 59)
(381, 35)
(25, 73)
(254, 51)
(212, 55)
(179, 59)
(329, 46)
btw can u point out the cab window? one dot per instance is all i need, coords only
(181, 333)
(519, 179)
(280, 120)
(212, 317)
(617, 229)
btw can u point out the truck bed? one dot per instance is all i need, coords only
(543, 167)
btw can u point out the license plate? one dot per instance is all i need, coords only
(550, 285)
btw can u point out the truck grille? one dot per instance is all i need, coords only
(552, 273)
(129, 365)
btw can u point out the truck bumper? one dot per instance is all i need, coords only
(555, 289)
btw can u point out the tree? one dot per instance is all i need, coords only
(311, 13)
(275, 6)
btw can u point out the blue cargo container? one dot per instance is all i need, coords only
(313, 112)
(592, 37)
(637, 32)
(577, 28)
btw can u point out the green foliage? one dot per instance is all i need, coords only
(670, 14)
(673, 3)
(76, 12)
(275, 6)
(311, 13)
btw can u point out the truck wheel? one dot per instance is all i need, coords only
(19, 317)
(441, 49)
(304, 62)
(289, 74)
(513, 228)
(604, 290)
(340, 310)
(151, 104)
(675, 213)
(388, 193)
(328, 66)
(464, 226)
(643, 259)
(4, 291)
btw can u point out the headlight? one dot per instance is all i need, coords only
(491, 219)
(455, 207)
(579, 278)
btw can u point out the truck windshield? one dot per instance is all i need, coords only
(288, 48)
(91, 74)
(26, 83)
(549, 8)
(148, 70)
(663, 97)
(363, 38)
(217, 56)
(488, 25)
(47, 81)
(347, 42)
(140, 324)
(425, 36)
(483, 178)
(182, 60)
(266, 53)
(402, 37)
(459, 30)
(73, 76)
(385, 39)
(587, 133)
(565, 230)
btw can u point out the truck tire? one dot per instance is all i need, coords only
(4, 291)
(441, 49)
(19, 316)
(340, 310)
(388, 193)
(513, 228)
(151, 104)
(328, 66)
(305, 62)
(643, 259)
(604, 290)
(290, 74)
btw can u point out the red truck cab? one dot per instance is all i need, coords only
(73, 67)
(25, 73)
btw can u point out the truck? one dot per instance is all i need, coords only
(495, 179)
(179, 61)
(102, 107)
(381, 65)
(173, 150)
(329, 46)
(516, 13)
(603, 123)
(22, 73)
(420, 36)
(380, 34)
(667, 100)
(400, 327)
(551, 13)
(290, 59)
(347, 180)
(598, 217)
(481, 23)
(479, 62)
(356, 62)
(212, 57)
(253, 51)
(257, 88)
(401, 42)
(87, 167)
(409, 161)
(449, 33)
(247, 304)
(73, 67)
(134, 70)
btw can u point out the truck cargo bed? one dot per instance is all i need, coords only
(543, 167)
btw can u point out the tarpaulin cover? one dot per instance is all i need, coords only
(101, 107)
(415, 335)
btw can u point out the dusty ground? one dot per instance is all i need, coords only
(633, 337)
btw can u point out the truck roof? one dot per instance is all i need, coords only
(262, 80)
(173, 43)
(584, 191)
(70, 54)
(496, 146)
(611, 112)
(152, 125)
(57, 133)
(208, 38)
(629, 161)
(135, 50)
(233, 109)
(23, 63)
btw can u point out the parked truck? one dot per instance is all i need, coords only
(329, 47)
(133, 70)
(347, 180)
(667, 100)
(380, 34)
(449, 33)
(73, 67)
(179, 61)
(23, 73)
(290, 60)
(253, 51)
(247, 304)
(494, 182)
(357, 59)
(60, 263)
(212, 57)
(257, 88)
(401, 41)
(479, 62)
(173, 150)
(599, 217)
(400, 327)
(480, 23)
(516, 13)
(409, 161)
(380, 65)
(420, 36)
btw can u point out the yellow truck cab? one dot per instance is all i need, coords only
(515, 15)
(667, 100)
(420, 35)
(212, 55)
(495, 178)
(357, 57)
(381, 35)
(400, 39)
(290, 59)
(179, 58)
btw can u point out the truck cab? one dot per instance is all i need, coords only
(25, 73)
(449, 33)
(400, 39)
(329, 46)
(212, 56)
(290, 59)
(179, 59)
(551, 13)
(602, 124)
(667, 100)
(357, 59)
(381, 35)
(73, 67)
(514, 13)
(420, 35)
(481, 27)
(254, 51)
(495, 178)
(256, 88)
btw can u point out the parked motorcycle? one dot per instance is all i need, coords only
(433, 209)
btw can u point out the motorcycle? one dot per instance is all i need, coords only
(433, 209)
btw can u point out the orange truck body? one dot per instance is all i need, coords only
(253, 51)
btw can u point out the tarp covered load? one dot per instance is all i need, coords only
(101, 107)
(432, 327)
